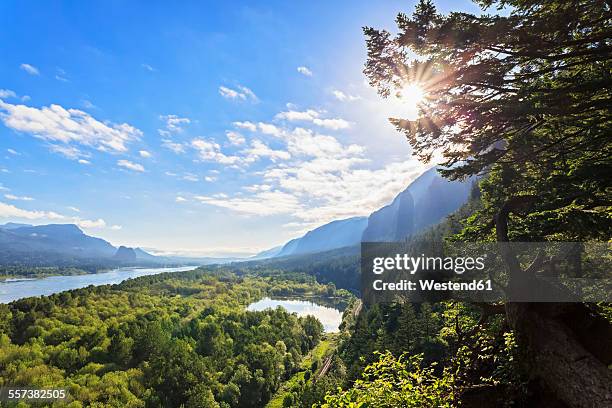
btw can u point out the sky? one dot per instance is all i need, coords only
(196, 127)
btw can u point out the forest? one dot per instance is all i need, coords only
(518, 96)
(182, 339)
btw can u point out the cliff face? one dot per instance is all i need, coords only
(425, 202)
(392, 222)
(336, 234)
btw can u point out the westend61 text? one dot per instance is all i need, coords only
(431, 285)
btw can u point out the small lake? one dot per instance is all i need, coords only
(14, 289)
(329, 316)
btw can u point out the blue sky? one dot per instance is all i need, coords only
(200, 128)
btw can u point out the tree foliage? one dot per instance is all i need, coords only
(524, 96)
(169, 340)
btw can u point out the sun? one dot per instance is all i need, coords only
(406, 102)
(412, 95)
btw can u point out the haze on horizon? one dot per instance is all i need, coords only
(196, 129)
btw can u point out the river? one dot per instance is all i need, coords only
(17, 289)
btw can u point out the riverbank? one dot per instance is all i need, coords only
(22, 288)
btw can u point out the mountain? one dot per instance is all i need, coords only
(268, 253)
(125, 254)
(425, 202)
(289, 247)
(336, 234)
(391, 222)
(67, 239)
(13, 225)
(145, 256)
(67, 245)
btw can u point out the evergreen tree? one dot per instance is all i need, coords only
(525, 100)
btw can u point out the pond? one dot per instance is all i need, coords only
(330, 317)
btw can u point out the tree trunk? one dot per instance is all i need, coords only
(558, 359)
(567, 359)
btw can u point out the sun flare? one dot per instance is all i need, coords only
(412, 94)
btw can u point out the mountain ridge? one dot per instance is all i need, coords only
(427, 200)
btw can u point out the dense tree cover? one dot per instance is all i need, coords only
(62, 265)
(339, 266)
(453, 349)
(396, 382)
(45, 269)
(524, 100)
(174, 339)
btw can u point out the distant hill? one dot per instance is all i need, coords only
(67, 239)
(268, 253)
(13, 225)
(336, 234)
(125, 254)
(66, 245)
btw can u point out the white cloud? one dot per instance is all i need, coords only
(230, 93)
(259, 149)
(175, 147)
(334, 124)
(57, 124)
(61, 78)
(269, 129)
(69, 152)
(180, 199)
(88, 104)
(174, 123)
(304, 71)
(262, 203)
(30, 69)
(83, 161)
(209, 150)
(116, 227)
(313, 116)
(235, 138)
(292, 115)
(315, 178)
(210, 179)
(99, 223)
(342, 96)
(18, 198)
(246, 125)
(191, 177)
(258, 187)
(130, 165)
(144, 153)
(302, 141)
(148, 67)
(75, 209)
(7, 93)
(242, 93)
(248, 93)
(13, 152)
(10, 211)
